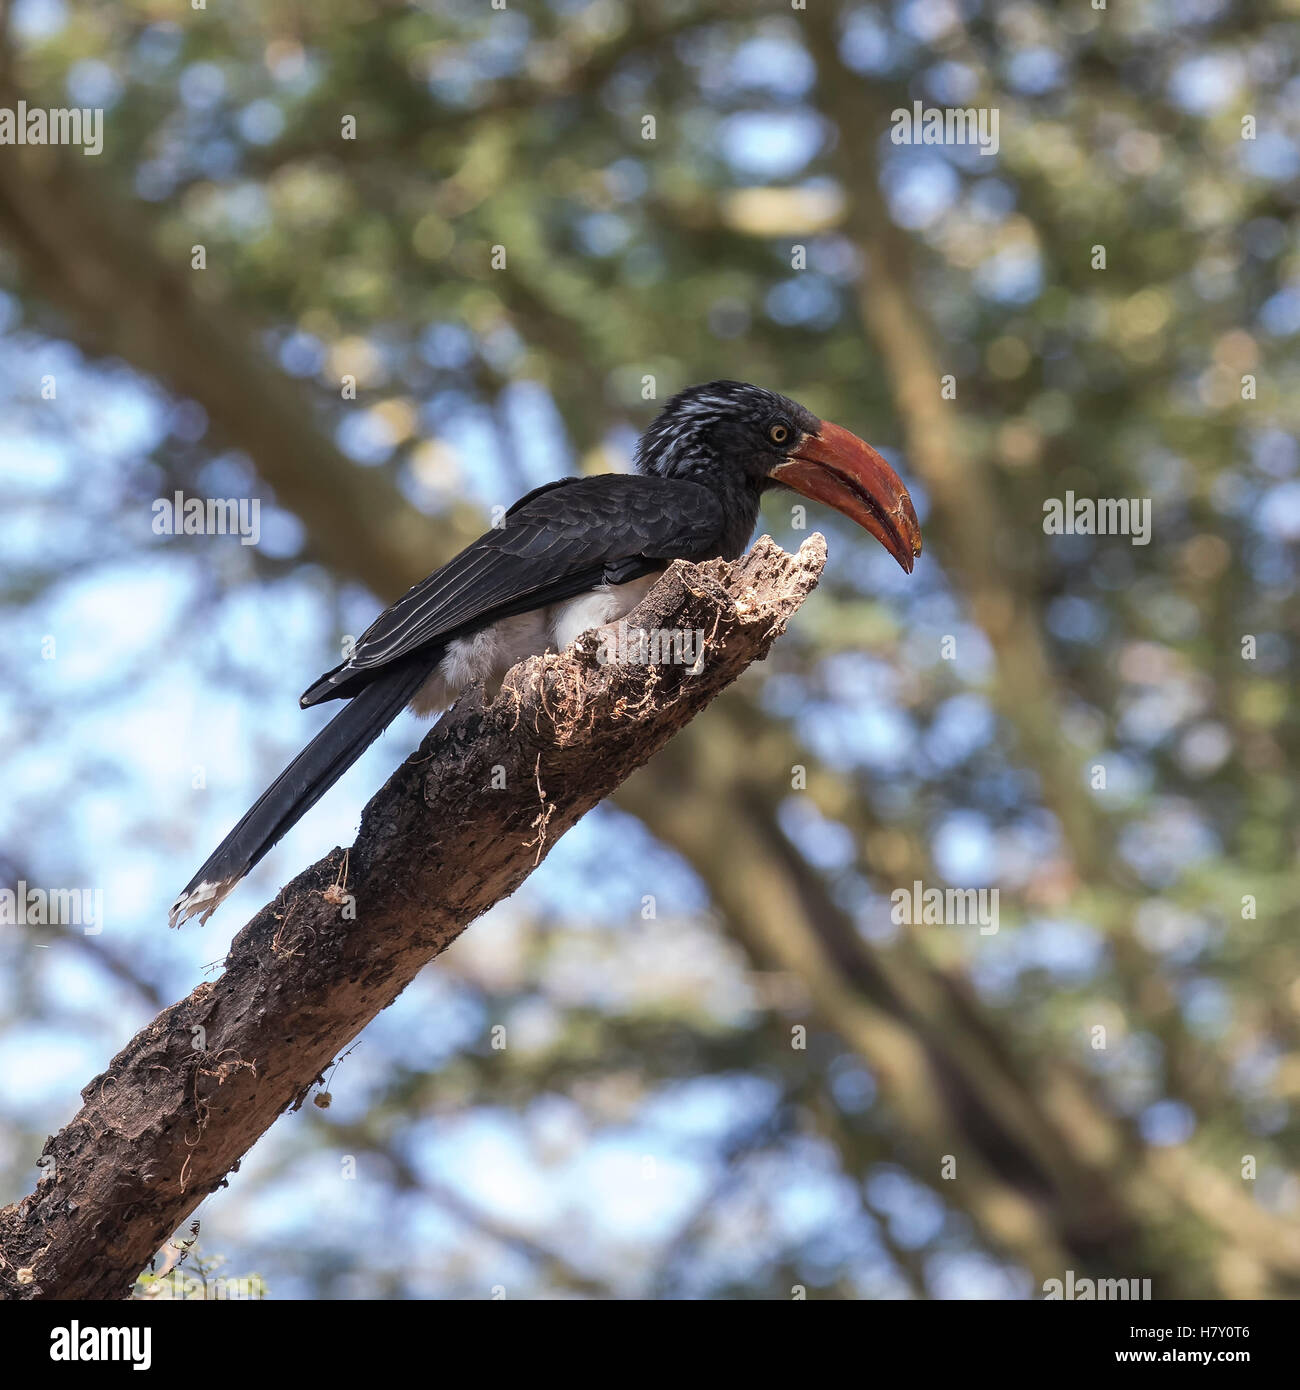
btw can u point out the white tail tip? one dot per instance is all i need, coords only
(204, 898)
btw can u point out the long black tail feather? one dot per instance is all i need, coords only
(301, 785)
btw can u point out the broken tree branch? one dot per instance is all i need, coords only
(458, 827)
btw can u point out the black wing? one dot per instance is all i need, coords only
(558, 541)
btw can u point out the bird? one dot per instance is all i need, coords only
(571, 555)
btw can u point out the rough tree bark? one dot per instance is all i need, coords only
(188, 1096)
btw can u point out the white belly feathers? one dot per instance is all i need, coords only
(487, 655)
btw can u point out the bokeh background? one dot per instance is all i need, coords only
(769, 1083)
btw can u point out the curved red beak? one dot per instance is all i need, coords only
(838, 468)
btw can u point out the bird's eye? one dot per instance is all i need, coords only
(778, 433)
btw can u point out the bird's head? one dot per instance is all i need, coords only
(768, 440)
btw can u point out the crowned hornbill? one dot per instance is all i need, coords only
(569, 556)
